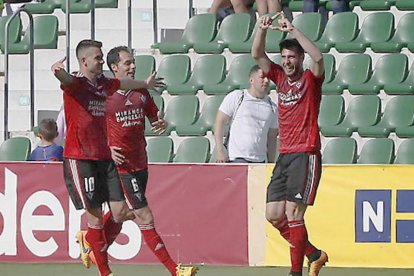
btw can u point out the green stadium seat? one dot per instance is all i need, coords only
(399, 112)
(332, 110)
(237, 77)
(77, 6)
(376, 5)
(273, 37)
(389, 69)
(160, 149)
(235, 28)
(354, 3)
(402, 88)
(106, 4)
(175, 69)
(208, 69)
(15, 149)
(377, 151)
(362, 111)
(405, 132)
(405, 152)
(377, 27)
(181, 111)
(145, 65)
(199, 29)
(310, 24)
(44, 7)
(15, 29)
(353, 69)
(45, 29)
(206, 120)
(341, 27)
(340, 151)
(404, 5)
(329, 65)
(193, 150)
(402, 37)
(296, 5)
(159, 102)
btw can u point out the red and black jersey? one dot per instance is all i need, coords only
(299, 103)
(84, 105)
(125, 119)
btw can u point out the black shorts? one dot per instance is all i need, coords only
(134, 185)
(295, 178)
(90, 182)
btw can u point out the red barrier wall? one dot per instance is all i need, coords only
(200, 212)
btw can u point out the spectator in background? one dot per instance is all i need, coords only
(222, 8)
(253, 130)
(337, 6)
(268, 6)
(47, 150)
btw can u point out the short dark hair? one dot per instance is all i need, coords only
(86, 43)
(254, 69)
(291, 44)
(48, 129)
(113, 55)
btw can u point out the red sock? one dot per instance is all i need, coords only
(111, 228)
(283, 227)
(95, 238)
(155, 243)
(298, 240)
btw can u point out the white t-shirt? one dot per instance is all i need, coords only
(248, 132)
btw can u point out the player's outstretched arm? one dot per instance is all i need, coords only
(315, 54)
(150, 83)
(58, 69)
(258, 46)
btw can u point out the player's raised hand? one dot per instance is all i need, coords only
(153, 82)
(116, 155)
(160, 125)
(266, 21)
(284, 24)
(58, 66)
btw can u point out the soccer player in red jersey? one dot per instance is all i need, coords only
(298, 170)
(90, 175)
(125, 119)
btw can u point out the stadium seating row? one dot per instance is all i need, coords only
(366, 5)
(77, 6)
(45, 29)
(355, 73)
(363, 115)
(341, 32)
(374, 151)
(197, 150)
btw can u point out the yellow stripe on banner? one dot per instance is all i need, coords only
(352, 203)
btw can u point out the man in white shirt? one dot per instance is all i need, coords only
(253, 123)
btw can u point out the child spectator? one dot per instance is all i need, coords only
(47, 150)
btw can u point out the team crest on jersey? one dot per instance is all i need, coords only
(143, 98)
